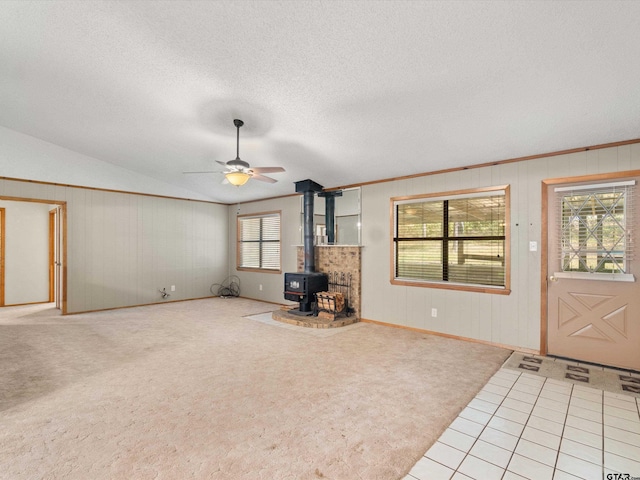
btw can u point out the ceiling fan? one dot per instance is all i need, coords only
(238, 171)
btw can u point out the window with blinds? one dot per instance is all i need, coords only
(259, 241)
(452, 239)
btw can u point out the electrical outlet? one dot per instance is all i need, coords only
(173, 288)
(434, 312)
(260, 287)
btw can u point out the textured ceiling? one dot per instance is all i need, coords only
(341, 92)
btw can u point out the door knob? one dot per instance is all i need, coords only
(553, 278)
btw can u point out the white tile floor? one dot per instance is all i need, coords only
(524, 426)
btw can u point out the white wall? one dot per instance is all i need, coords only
(272, 283)
(505, 319)
(122, 248)
(26, 252)
(510, 320)
(23, 156)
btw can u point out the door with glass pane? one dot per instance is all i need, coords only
(593, 293)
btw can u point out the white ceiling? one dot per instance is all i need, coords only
(340, 92)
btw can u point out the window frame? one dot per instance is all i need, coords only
(454, 195)
(239, 241)
(624, 187)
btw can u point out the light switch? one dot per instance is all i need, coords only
(533, 246)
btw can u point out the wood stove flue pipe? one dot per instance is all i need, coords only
(330, 213)
(308, 188)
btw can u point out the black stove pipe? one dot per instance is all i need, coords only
(308, 188)
(309, 254)
(330, 213)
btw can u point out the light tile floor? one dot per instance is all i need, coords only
(525, 425)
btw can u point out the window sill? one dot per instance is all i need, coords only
(452, 286)
(603, 277)
(258, 270)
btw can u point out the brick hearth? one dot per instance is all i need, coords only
(339, 258)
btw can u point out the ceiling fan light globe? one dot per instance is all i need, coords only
(237, 178)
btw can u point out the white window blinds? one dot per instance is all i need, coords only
(259, 242)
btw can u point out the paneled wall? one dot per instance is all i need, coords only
(122, 248)
(272, 283)
(504, 319)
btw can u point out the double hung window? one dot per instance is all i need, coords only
(259, 242)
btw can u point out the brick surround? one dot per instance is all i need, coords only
(339, 258)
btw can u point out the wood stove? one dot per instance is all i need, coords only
(302, 287)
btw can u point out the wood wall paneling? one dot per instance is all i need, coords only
(122, 247)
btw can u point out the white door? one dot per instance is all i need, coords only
(593, 289)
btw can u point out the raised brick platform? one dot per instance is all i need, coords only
(311, 321)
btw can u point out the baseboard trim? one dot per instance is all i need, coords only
(454, 337)
(140, 305)
(170, 301)
(24, 304)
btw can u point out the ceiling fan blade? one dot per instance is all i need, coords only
(267, 169)
(204, 171)
(262, 178)
(224, 164)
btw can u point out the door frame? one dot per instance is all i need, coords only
(62, 206)
(544, 233)
(2, 245)
(52, 253)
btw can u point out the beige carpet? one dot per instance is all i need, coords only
(194, 390)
